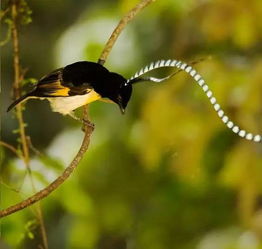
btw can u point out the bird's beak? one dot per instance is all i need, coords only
(122, 109)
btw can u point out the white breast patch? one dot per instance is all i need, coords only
(65, 105)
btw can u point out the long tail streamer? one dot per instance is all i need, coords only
(201, 82)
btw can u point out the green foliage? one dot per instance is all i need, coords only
(24, 12)
(29, 81)
(24, 17)
(30, 225)
(9, 23)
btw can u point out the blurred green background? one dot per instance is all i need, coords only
(166, 175)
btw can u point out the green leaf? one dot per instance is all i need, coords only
(29, 81)
(30, 235)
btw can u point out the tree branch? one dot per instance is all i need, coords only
(121, 25)
(3, 13)
(15, 6)
(88, 128)
(54, 185)
(16, 84)
(11, 148)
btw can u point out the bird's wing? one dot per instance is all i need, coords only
(78, 78)
(53, 85)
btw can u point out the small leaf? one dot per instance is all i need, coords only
(8, 21)
(30, 235)
(28, 81)
(15, 131)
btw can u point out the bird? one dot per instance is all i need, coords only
(84, 82)
(78, 84)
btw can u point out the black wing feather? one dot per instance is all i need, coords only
(75, 79)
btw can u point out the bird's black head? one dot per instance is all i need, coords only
(118, 92)
(112, 86)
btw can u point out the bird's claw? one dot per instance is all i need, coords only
(87, 125)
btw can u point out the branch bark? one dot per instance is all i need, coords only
(16, 84)
(88, 128)
(18, 77)
(11, 148)
(119, 28)
(56, 183)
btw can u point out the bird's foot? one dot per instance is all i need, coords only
(87, 125)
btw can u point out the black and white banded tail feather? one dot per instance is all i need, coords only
(138, 77)
(20, 100)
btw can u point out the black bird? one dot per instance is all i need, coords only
(79, 84)
(83, 82)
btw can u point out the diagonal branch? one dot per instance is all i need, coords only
(119, 28)
(51, 187)
(88, 129)
(11, 148)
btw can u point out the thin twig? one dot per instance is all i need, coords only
(88, 128)
(16, 191)
(19, 75)
(11, 148)
(33, 148)
(9, 187)
(190, 63)
(121, 25)
(7, 36)
(4, 12)
(17, 80)
(51, 187)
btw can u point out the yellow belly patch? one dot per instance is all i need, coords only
(92, 96)
(106, 100)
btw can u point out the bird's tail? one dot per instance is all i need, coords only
(138, 77)
(19, 100)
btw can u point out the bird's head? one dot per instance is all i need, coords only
(124, 96)
(117, 91)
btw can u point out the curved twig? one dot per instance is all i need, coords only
(4, 12)
(51, 187)
(88, 129)
(11, 148)
(121, 25)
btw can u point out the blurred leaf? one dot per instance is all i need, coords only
(51, 162)
(29, 81)
(244, 34)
